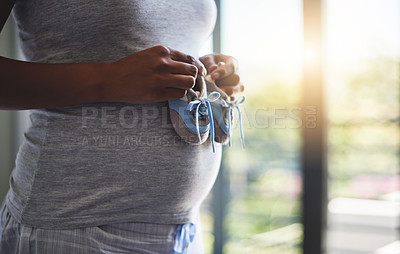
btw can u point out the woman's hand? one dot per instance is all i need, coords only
(224, 75)
(152, 75)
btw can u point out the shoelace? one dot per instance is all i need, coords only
(232, 105)
(206, 110)
(184, 236)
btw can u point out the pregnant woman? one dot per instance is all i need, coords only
(101, 168)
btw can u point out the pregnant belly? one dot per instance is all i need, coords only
(86, 167)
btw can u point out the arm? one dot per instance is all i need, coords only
(26, 85)
(152, 75)
(29, 85)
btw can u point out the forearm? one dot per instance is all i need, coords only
(25, 85)
(152, 75)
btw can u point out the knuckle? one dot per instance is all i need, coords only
(222, 72)
(162, 50)
(206, 59)
(190, 82)
(236, 78)
(191, 59)
(229, 91)
(202, 70)
(193, 70)
(162, 63)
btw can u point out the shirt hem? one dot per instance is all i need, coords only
(98, 220)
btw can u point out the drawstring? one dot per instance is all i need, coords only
(184, 236)
(205, 109)
(232, 105)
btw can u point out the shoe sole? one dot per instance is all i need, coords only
(185, 124)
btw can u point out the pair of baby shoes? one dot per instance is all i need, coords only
(202, 114)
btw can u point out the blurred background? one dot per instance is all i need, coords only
(257, 204)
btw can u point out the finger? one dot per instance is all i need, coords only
(212, 68)
(176, 67)
(182, 57)
(229, 60)
(170, 93)
(231, 91)
(223, 71)
(180, 81)
(230, 65)
(209, 63)
(213, 87)
(231, 80)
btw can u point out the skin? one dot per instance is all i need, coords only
(152, 75)
(226, 76)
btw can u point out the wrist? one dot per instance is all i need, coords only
(100, 82)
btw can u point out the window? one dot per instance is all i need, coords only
(259, 190)
(346, 199)
(362, 83)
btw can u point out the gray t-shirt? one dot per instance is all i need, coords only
(102, 163)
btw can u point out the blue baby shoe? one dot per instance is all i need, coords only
(192, 115)
(223, 109)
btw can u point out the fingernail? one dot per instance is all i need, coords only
(215, 76)
(221, 64)
(204, 72)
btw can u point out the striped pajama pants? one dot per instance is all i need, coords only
(117, 238)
